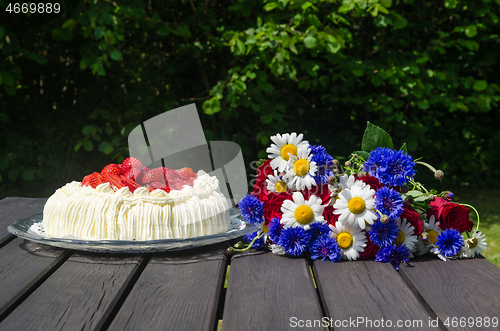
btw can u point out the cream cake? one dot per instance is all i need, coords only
(106, 212)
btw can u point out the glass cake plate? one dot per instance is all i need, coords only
(31, 228)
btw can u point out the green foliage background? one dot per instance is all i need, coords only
(75, 83)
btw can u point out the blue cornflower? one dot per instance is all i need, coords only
(395, 254)
(323, 160)
(325, 247)
(274, 230)
(449, 242)
(390, 167)
(384, 234)
(252, 210)
(374, 162)
(258, 244)
(319, 230)
(294, 240)
(389, 202)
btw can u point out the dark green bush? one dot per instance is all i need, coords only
(75, 83)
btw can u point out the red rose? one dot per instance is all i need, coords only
(450, 215)
(260, 187)
(369, 180)
(321, 192)
(329, 216)
(272, 208)
(370, 250)
(414, 219)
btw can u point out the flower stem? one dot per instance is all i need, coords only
(239, 250)
(477, 213)
(427, 165)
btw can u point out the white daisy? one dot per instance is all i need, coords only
(345, 181)
(355, 205)
(406, 234)
(433, 230)
(302, 212)
(284, 146)
(475, 245)
(277, 183)
(300, 169)
(350, 238)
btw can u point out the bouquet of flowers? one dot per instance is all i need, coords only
(304, 203)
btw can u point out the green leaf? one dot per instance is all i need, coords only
(423, 104)
(471, 31)
(363, 154)
(88, 145)
(211, 106)
(358, 72)
(375, 137)
(88, 130)
(310, 42)
(2, 32)
(270, 6)
(380, 21)
(386, 3)
(347, 7)
(417, 195)
(4, 118)
(69, 24)
(163, 31)
(28, 176)
(450, 3)
(13, 174)
(267, 118)
(7, 79)
(240, 86)
(480, 85)
(259, 22)
(115, 54)
(333, 47)
(240, 45)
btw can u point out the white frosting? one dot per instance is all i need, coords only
(102, 213)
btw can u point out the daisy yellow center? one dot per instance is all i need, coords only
(265, 228)
(472, 242)
(345, 240)
(301, 167)
(303, 214)
(432, 236)
(356, 205)
(400, 239)
(288, 149)
(281, 187)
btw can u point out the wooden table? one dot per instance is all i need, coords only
(47, 288)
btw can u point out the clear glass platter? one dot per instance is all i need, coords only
(24, 229)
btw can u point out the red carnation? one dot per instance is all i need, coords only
(272, 207)
(321, 192)
(370, 250)
(414, 219)
(450, 215)
(329, 216)
(260, 187)
(370, 180)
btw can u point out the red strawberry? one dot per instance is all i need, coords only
(154, 175)
(93, 180)
(113, 179)
(170, 175)
(161, 186)
(181, 183)
(186, 173)
(132, 162)
(133, 174)
(111, 168)
(132, 186)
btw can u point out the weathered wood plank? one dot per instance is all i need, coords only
(176, 291)
(77, 296)
(457, 289)
(270, 292)
(13, 209)
(368, 295)
(23, 266)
